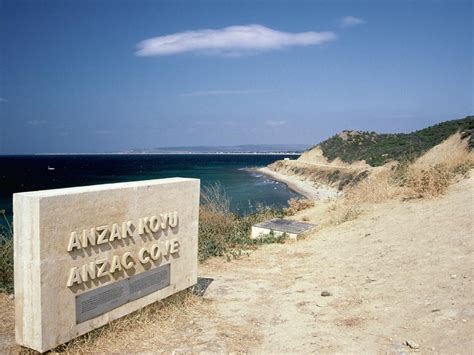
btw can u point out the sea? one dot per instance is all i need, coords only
(246, 190)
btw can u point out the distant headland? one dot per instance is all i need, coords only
(232, 149)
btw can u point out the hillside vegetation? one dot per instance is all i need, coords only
(378, 149)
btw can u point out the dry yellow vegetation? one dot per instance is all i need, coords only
(295, 205)
(428, 176)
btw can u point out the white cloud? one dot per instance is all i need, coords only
(230, 41)
(351, 21)
(273, 123)
(222, 92)
(3, 100)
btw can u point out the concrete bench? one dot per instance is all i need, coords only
(280, 226)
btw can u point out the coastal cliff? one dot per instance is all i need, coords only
(351, 156)
(314, 168)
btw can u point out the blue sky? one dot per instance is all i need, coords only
(99, 76)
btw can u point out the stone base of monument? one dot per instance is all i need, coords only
(280, 226)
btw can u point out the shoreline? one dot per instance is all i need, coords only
(304, 188)
(158, 153)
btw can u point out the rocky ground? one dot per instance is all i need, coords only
(397, 279)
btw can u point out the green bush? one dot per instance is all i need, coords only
(378, 149)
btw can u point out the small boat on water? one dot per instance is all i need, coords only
(50, 168)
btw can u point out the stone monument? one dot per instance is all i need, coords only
(85, 256)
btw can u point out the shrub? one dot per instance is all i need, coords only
(6, 256)
(295, 205)
(223, 233)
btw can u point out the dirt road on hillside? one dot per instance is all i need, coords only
(400, 272)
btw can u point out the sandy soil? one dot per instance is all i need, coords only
(400, 272)
(305, 188)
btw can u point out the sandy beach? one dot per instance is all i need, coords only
(302, 187)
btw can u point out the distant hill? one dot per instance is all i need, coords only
(377, 149)
(237, 149)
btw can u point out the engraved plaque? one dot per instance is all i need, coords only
(148, 282)
(103, 299)
(100, 300)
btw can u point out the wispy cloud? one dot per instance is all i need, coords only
(3, 100)
(36, 123)
(351, 21)
(273, 123)
(230, 41)
(222, 92)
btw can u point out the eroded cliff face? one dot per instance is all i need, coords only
(320, 172)
(315, 156)
(314, 167)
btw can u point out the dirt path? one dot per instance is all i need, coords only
(401, 271)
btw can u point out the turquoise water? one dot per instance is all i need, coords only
(245, 190)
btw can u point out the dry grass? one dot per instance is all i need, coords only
(214, 199)
(433, 181)
(160, 320)
(342, 212)
(7, 325)
(427, 177)
(295, 205)
(156, 326)
(378, 187)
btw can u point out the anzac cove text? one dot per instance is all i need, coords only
(95, 236)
